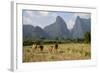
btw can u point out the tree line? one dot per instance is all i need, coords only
(85, 39)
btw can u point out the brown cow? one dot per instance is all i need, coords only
(51, 49)
(41, 47)
(56, 47)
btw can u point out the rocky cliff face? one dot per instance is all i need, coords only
(58, 29)
(81, 26)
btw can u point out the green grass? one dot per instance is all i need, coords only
(68, 51)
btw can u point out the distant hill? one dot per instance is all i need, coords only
(27, 32)
(30, 32)
(38, 32)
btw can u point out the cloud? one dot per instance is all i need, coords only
(70, 24)
(44, 13)
(40, 18)
(26, 20)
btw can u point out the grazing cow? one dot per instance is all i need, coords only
(34, 47)
(51, 49)
(56, 46)
(41, 47)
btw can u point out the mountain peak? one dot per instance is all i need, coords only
(58, 18)
(81, 26)
(78, 18)
(37, 27)
(58, 28)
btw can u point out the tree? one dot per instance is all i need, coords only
(87, 37)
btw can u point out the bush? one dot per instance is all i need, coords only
(87, 37)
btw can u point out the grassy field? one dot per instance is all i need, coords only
(68, 51)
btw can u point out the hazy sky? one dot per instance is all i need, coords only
(44, 18)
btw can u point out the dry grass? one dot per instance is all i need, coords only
(71, 51)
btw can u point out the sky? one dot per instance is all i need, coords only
(44, 18)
